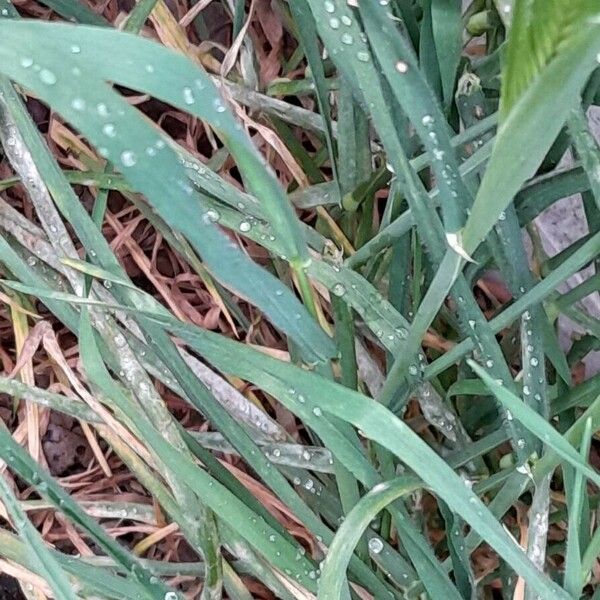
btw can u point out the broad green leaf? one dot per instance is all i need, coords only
(167, 188)
(535, 118)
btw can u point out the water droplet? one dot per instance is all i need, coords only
(521, 443)
(297, 481)
(245, 226)
(427, 120)
(375, 545)
(401, 67)
(26, 62)
(276, 452)
(363, 56)
(334, 23)
(346, 20)
(413, 369)
(47, 77)
(212, 215)
(188, 95)
(170, 596)
(329, 6)
(338, 289)
(347, 39)
(128, 158)
(272, 538)
(489, 363)
(149, 69)
(32, 261)
(109, 130)
(306, 455)
(218, 105)
(102, 109)
(317, 411)
(526, 390)
(534, 362)
(75, 49)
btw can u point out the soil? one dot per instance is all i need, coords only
(9, 588)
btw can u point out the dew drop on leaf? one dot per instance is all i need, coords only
(47, 77)
(128, 158)
(188, 95)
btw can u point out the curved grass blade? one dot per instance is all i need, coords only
(22, 464)
(532, 125)
(141, 147)
(45, 562)
(353, 528)
(225, 505)
(536, 424)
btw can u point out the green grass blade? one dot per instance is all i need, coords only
(573, 568)
(30, 471)
(536, 424)
(50, 569)
(532, 125)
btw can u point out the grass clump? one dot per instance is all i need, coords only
(275, 290)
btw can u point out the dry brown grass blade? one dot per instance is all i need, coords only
(32, 411)
(142, 547)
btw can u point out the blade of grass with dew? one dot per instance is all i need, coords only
(272, 296)
(369, 84)
(419, 103)
(362, 412)
(540, 291)
(216, 496)
(22, 464)
(307, 35)
(91, 578)
(350, 532)
(52, 572)
(376, 423)
(530, 121)
(536, 424)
